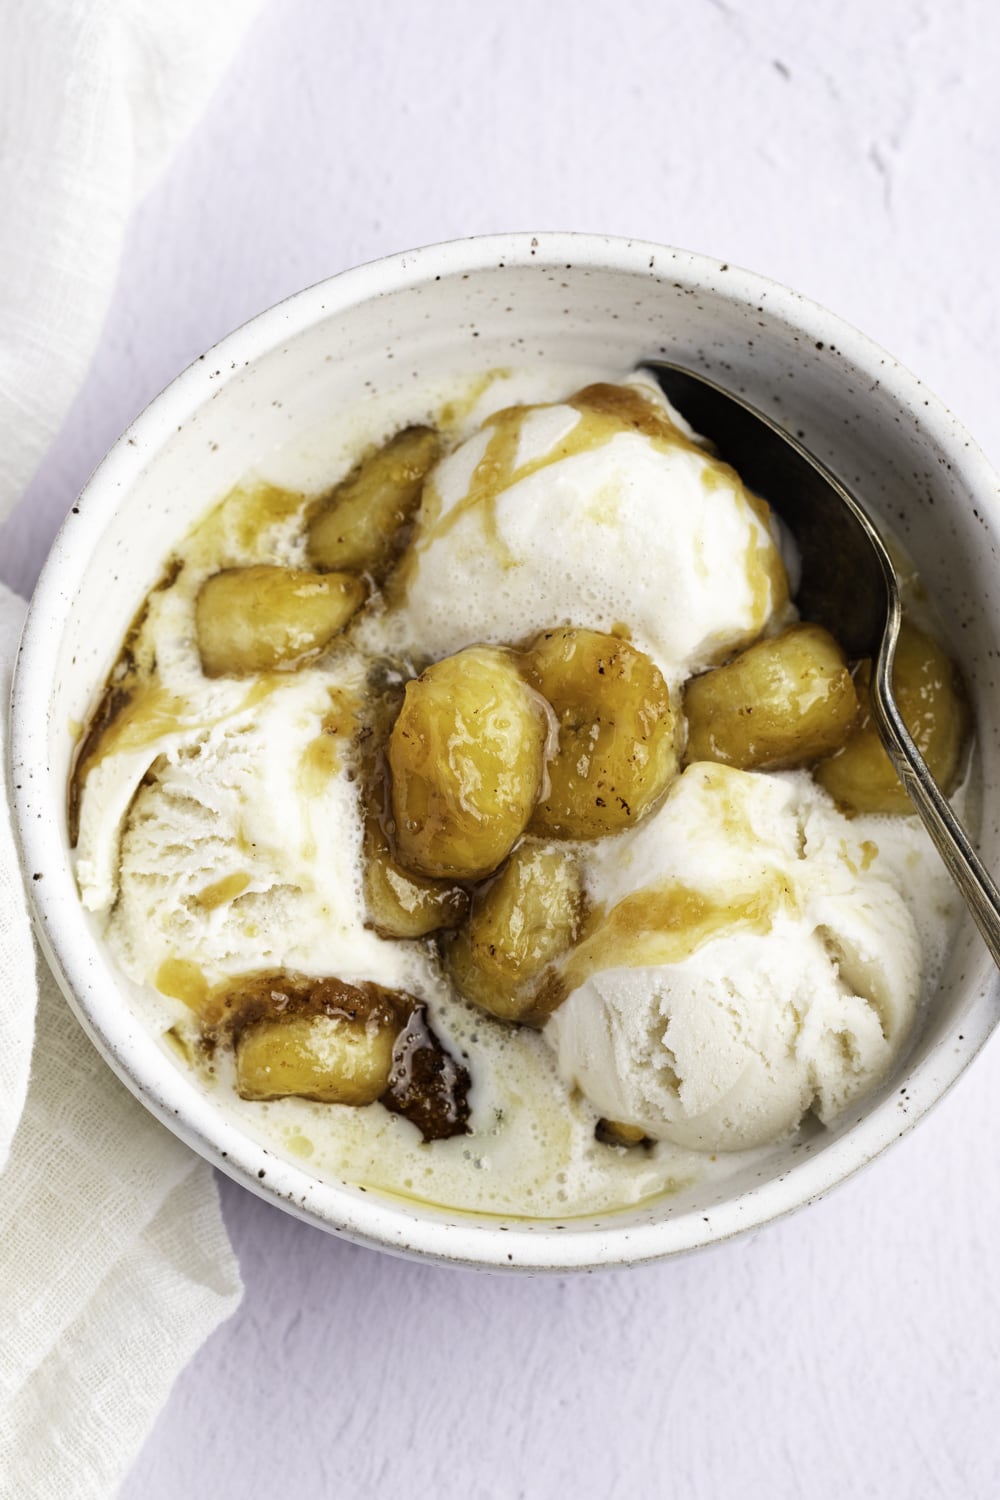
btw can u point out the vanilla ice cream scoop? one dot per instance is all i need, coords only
(239, 842)
(733, 980)
(595, 511)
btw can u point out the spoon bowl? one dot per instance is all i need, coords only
(848, 585)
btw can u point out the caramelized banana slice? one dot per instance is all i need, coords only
(401, 904)
(614, 1133)
(466, 755)
(520, 924)
(317, 1039)
(341, 1043)
(252, 619)
(359, 523)
(783, 702)
(616, 751)
(327, 1058)
(929, 693)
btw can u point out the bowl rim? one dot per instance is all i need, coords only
(375, 1218)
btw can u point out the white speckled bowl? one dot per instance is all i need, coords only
(468, 306)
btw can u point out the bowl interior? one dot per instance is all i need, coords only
(382, 336)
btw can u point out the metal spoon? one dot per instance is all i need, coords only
(848, 585)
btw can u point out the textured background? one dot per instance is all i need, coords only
(851, 150)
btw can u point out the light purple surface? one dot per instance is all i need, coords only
(852, 152)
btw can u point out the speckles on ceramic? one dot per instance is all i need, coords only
(391, 327)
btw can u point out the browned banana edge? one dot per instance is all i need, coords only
(427, 1085)
(116, 695)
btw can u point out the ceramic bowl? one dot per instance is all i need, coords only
(466, 307)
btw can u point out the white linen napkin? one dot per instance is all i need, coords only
(114, 1260)
(94, 96)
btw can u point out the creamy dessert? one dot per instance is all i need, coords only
(487, 827)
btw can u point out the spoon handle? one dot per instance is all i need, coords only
(952, 842)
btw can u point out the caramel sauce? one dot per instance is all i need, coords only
(149, 714)
(666, 923)
(727, 787)
(182, 979)
(133, 663)
(628, 409)
(273, 994)
(765, 570)
(455, 413)
(323, 756)
(427, 1086)
(263, 685)
(112, 702)
(764, 567)
(177, 1044)
(605, 411)
(135, 711)
(239, 526)
(868, 851)
(137, 715)
(131, 715)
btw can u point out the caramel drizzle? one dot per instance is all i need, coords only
(666, 923)
(605, 411)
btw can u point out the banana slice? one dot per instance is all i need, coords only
(250, 620)
(783, 702)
